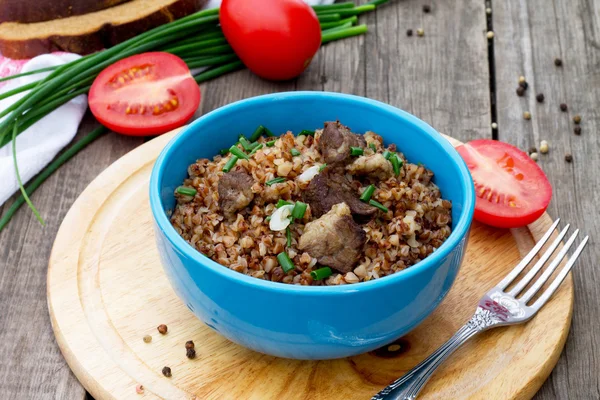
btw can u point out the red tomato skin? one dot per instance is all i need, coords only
(138, 125)
(275, 39)
(535, 181)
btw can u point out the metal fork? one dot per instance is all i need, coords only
(498, 307)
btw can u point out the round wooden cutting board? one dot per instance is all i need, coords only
(107, 289)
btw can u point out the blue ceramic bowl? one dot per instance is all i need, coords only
(299, 321)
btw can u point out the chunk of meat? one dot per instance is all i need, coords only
(335, 142)
(330, 188)
(373, 166)
(335, 240)
(235, 191)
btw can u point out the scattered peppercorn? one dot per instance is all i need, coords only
(563, 107)
(426, 8)
(190, 353)
(557, 62)
(577, 130)
(494, 125)
(568, 157)
(534, 156)
(420, 32)
(190, 344)
(544, 147)
(409, 32)
(524, 85)
(147, 339)
(577, 119)
(522, 79)
(490, 35)
(520, 91)
(532, 150)
(166, 371)
(139, 389)
(162, 328)
(488, 11)
(540, 97)
(527, 115)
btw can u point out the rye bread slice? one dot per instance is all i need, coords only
(45, 10)
(91, 32)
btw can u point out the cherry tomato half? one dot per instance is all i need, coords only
(145, 94)
(276, 39)
(511, 189)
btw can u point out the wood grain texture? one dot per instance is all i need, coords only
(32, 366)
(529, 35)
(107, 289)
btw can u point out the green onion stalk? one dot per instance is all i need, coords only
(197, 39)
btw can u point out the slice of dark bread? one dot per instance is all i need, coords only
(90, 32)
(46, 10)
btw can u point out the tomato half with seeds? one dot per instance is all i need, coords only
(145, 94)
(511, 189)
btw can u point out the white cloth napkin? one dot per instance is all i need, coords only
(39, 144)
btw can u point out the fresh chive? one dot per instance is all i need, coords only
(342, 22)
(322, 167)
(218, 71)
(295, 152)
(286, 263)
(396, 163)
(338, 28)
(281, 203)
(366, 196)
(344, 33)
(288, 235)
(271, 143)
(186, 191)
(306, 132)
(356, 151)
(224, 152)
(238, 153)
(268, 218)
(299, 210)
(34, 72)
(378, 205)
(19, 89)
(329, 17)
(387, 154)
(377, 3)
(257, 133)
(230, 164)
(245, 143)
(256, 148)
(268, 132)
(373, 147)
(336, 6)
(347, 12)
(275, 180)
(321, 273)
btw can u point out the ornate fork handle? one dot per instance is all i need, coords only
(408, 386)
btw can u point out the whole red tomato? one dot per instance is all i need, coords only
(276, 39)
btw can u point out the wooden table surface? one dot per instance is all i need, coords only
(453, 78)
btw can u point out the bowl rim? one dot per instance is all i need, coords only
(432, 261)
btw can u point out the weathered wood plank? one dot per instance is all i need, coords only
(529, 35)
(32, 366)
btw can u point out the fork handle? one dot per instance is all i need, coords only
(408, 386)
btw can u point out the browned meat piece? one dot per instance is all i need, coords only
(329, 188)
(374, 166)
(335, 240)
(235, 191)
(335, 142)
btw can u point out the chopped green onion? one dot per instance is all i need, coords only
(268, 218)
(281, 203)
(268, 132)
(238, 153)
(366, 196)
(275, 180)
(295, 152)
(186, 191)
(286, 263)
(356, 151)
(224, 152)
(230, 164)
(256, 148)
(373, 147)
(271, 143)
(322, 167)
(299, 210)
(396, 163)
(378, 205)
(387, 154)
(288, 235)
(257, 133)
(321, 273)
(306, 132)
(245, 143)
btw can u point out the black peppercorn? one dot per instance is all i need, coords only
(426, 8)
(568, 157)
(520, 91)
(189, 344)
(577, 130)
(190, 353)
(524, 85)
(409, 32)
(532, 150)
(540, 98)
(166, 371)
(162, 328)
(563, 107)
(557, 62)
(577, 119)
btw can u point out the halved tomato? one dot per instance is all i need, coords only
(145, 94)
(511, 189)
